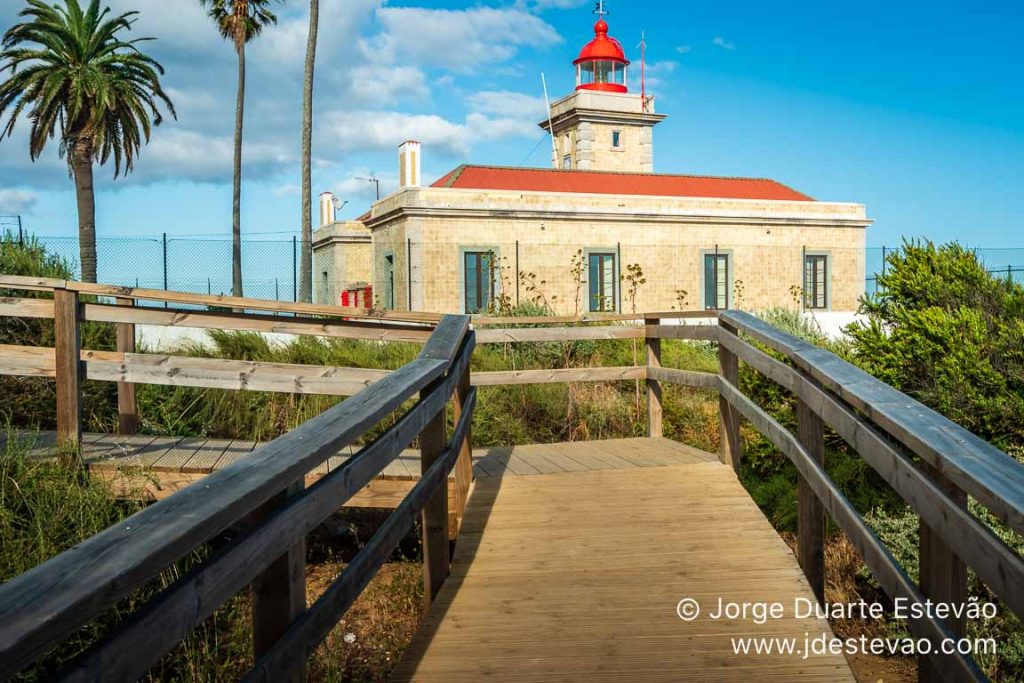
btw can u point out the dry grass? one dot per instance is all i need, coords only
(369, 641)
(843, 586)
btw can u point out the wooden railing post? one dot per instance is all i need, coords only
(729, 449)
(810, 511)
(436, 560)
(464, 465)
(655, 414)
(68, 350)
(279, 592)
(127, 408)
(943, 575)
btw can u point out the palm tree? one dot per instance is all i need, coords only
(239, 21)
(71, 74)
(306, 265)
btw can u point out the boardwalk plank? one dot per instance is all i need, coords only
(585, 586)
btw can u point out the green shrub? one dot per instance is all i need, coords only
(945, 331)
(30, 401)
(898, 530)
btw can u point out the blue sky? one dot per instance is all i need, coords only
(915, 109)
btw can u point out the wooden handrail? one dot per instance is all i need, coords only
(314, 625)
(882, 425)
(996, 564)
(976, 466)
(50, 602)
(876, 556)
(215, 300)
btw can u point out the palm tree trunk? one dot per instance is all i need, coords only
(236, 207)
(306, 261)
(81, 168)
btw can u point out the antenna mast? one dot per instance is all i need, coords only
(551, 125)
(643, 69)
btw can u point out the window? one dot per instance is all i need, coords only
(816, 281)
(602, 282)
(601, 72)
(567, 162)
(389, 282)
(716, 281)
(479, 280)
(616, 139)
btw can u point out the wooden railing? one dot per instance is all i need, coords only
(264, 495)
(928, 460)
(886, 428)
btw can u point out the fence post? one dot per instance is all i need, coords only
(127, 407)
(464, 465)
(279, 593)
(165, 266)
(655, 415)
(943, 575)
(729, 432)
(435, 513)
(408, 270)
(68, 350)
(810, 511)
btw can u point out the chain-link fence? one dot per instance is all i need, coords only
(201, 266)
(450, 277)
(999, 261)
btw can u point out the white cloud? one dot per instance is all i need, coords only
(361, 131)
(542, 5)
(385, 85)
(684, 49)
(359, 191)
(204, 158)
(287, 190)
(348, 132)
(16, 200)
(507, 103)
(461, 40)
(723, 43)
(658, 74)
(364, 88)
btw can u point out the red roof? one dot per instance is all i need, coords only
(602, 47)
(597, 182)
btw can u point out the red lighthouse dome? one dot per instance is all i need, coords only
(602, 64)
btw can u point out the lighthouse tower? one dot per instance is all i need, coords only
(602, 126)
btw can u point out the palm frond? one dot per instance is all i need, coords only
(72, 75)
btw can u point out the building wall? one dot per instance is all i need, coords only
(584, 123)
(539, 235)
(342, 259)
(767, 267)
(595, 149)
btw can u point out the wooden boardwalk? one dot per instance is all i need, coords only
(170, 463)
(576, 576)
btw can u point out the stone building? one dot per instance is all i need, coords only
(599, 231)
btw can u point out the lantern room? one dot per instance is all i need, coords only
(602, 64)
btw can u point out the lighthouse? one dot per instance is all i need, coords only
(602, 126)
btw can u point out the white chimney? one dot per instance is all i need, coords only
(409, 164)
(326, 209)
